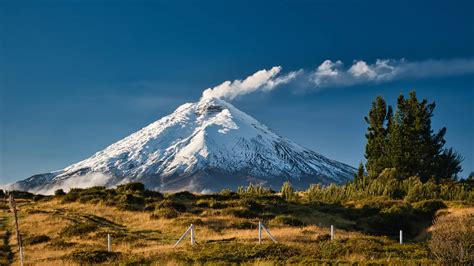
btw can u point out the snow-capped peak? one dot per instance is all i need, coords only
(208, 145)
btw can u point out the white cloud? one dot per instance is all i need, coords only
(334, 74)
(264, 80)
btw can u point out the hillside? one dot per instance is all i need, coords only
(72, 228)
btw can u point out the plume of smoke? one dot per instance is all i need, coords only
(263, 80)
(335, 74)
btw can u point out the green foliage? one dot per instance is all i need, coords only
(131, 187)
(92, 256)
(131, 196)
(59, 193)
(288, 192)
(406, 141)
(236, 253)
(379, 120)
(254, 191)
(388, 186)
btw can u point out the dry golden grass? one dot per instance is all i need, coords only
(140, 235)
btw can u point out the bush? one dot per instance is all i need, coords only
(287, 220)
(452, 239)
(131, 187)
(236, 253)
(288, 192)
(79, 229)
(33, 240)
(167, 213)
(59, 192)
(209, 203)
(93, 256)
(183, 195)
(428, 207)
(169, 204)
(239, 212)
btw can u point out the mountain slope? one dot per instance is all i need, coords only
(203, 146)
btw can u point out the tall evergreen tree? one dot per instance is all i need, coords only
(375, 150)
(412, 147)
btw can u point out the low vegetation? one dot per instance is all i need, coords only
(72, 227)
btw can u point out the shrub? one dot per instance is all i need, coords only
(131, 187)
(79, 229)
(33, 240)
(183, 195)
(93, 256)
(226, 193)
(452, 239)
(166, 213)
(169, 204)
(209, 203)
(428, 207)
(287, 220)
(288, 192)
(224, 253)
(239, 212)
(59, 192)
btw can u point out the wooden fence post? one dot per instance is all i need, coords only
(260, 227)
(190, 229)
(192, 234)
(18, 235)
(332, 232)
(109, 243)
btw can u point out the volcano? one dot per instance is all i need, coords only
(201, 147)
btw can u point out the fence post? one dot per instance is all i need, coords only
(332, 232)
(18, 235)
(190, 228)
(401, 237)
(192, 234)
(259, 232)
(268, 233)
(109, 243)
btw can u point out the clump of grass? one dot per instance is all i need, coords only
(168, 213)
(79, 229)
(235, 253)
(61, 244)
(38, 239)
(92, 256)
(287, 220)
(210, 203)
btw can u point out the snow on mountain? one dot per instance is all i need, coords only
(203, 146)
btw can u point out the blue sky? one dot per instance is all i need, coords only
(77, 76)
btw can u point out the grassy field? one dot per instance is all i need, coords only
(72, 229)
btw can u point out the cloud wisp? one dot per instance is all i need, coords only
(335, 74)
